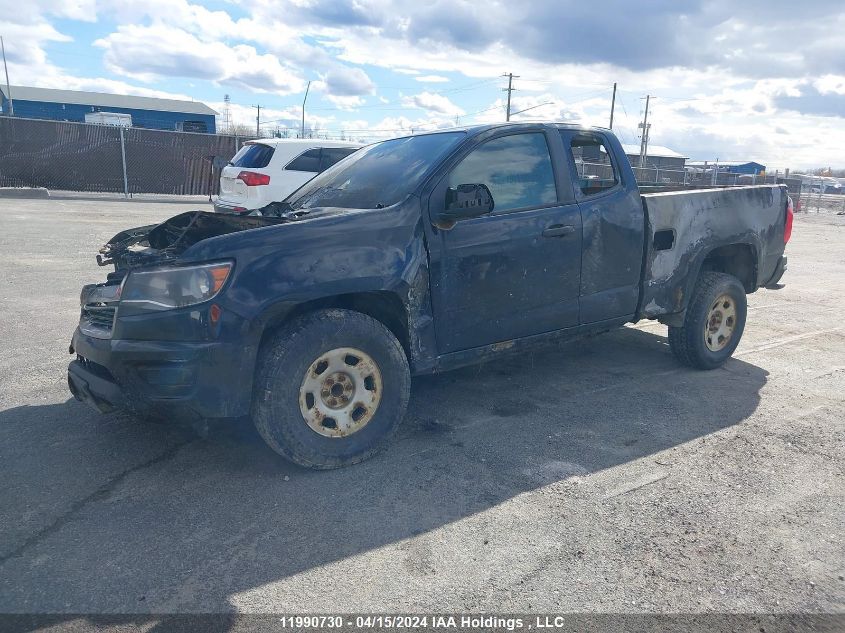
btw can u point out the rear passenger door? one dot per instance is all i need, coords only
(612, 216)
(515, 272)
(299, 171)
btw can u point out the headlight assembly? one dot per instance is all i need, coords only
(168, 288)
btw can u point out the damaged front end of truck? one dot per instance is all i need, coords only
(163, 294)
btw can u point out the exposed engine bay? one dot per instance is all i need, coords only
(156, 243)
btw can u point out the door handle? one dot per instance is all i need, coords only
(558, 230)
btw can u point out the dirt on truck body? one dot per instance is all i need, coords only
(412, 256)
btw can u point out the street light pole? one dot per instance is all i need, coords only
(612, 105)
(304, 99)
(8, 88)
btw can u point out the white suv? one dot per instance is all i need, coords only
(269, 170)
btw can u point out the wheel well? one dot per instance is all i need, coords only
(385, 307)
(738, 260)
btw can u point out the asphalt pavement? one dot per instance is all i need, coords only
(598, 476)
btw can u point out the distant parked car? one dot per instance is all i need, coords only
(269, 170)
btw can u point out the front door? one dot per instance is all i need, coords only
(516, 271)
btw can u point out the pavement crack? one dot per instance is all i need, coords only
(101, 493)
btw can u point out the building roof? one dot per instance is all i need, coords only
(725, 163)
(106, 100)
(657, 151)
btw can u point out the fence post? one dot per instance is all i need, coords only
(123, 161)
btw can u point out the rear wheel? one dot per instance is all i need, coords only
(331, 389)
(713, 324)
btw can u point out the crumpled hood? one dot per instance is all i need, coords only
(156, 243)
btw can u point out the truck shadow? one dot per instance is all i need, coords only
(178, 523)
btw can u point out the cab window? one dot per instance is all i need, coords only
(596, 171)
(517, 169)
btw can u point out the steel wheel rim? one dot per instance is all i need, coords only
(340, 392)
(720, 324)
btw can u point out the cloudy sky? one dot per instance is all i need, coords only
(759, 81)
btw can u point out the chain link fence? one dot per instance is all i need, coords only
(691, 178)
(69, 156)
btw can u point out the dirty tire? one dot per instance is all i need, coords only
(688, 342)
(284, 360)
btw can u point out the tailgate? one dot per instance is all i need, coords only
(230, 186)
(683, 227)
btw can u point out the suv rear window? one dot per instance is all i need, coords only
(253, 155)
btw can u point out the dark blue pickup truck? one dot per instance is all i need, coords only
(414, 255)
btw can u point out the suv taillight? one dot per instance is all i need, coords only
(253, 179)
(787, 227)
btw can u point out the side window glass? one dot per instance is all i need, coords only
(332, 155)
(596, 171)
(517, 169)
(309, 161)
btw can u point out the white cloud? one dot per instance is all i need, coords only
(432, 79)
(150, 52)
(434, 103)
(345, 81)
(346, 102)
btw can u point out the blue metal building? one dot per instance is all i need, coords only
(73, 105)
(749, 168)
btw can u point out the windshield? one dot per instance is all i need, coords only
(378, 175)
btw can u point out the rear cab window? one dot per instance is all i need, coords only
(253, 155)
(597, 172)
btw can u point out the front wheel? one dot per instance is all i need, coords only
(331, 388)
(713, 324)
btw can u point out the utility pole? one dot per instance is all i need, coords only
(257, 121)
(644, 138)
(227, 113)
(304, 99)
(509, 90)
(612, 105)
(8, 88)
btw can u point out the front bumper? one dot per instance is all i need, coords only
(208, 379)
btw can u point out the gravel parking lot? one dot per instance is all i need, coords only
(596, 476)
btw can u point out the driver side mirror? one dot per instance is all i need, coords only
(466, 201)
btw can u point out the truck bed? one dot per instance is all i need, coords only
(682, 227)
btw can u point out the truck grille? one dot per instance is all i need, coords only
(99, 305)
(101, 316)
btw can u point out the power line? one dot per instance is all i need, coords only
(532, 107)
